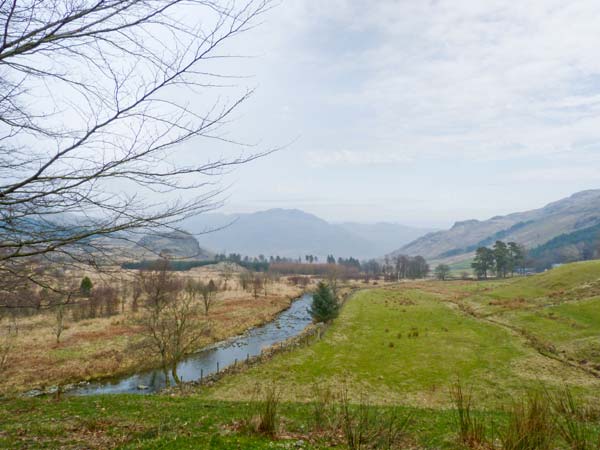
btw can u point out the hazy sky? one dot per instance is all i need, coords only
(420, 112)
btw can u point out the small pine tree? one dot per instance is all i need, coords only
(324, 305)
(86, 286)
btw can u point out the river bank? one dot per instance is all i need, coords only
(109, 346)
(213, 359)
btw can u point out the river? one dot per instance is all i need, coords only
(289, 323)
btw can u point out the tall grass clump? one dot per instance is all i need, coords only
(324, 408)
(268, 416)
(471, 428)
(262, 415)
(530, 425)
(571, 422)
(366, 427)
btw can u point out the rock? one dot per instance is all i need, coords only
(299, 443)
(33, 393)
(143, 387)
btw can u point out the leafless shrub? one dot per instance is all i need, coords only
(170, 322)
(9, 331)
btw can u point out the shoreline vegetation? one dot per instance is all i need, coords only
(109, 347)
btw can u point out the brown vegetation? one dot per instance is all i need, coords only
(102, 335)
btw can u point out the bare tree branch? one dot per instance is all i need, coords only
(92, 122)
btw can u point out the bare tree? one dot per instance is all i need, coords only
(266, 279)
(257, 284)
(208, 291)
(136, 292)
(226, 274)
(59, 324)
(8, 334)
(334, 272)
(92, 120)
(171, 319)
(245, 279)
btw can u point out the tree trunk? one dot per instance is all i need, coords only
(166, 373)
(174, 373)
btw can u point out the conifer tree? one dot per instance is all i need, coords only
(86, 286)
(324, 306)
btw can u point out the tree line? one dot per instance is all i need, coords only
(391, 269)
(502, 259)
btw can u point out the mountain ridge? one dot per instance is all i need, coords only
(295, 233)
(531, 228)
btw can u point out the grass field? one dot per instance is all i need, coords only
(408, 346)
(400, 347)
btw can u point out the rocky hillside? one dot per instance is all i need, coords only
(530, 228)
(174, 244)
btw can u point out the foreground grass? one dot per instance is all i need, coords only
(150, 422)
(188, 422)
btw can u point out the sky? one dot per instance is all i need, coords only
(418, 112)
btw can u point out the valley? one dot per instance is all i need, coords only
(402, 345)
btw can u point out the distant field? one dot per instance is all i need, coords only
(463, 266)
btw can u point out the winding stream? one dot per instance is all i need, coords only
(288, 324)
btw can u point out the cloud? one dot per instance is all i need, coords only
(339, 158)
(558, 174)
(467, 79)
(470, 91)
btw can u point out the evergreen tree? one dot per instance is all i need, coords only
(516, 256)
(324, 305)
(86, 286)
(501, 258)
(483, 262)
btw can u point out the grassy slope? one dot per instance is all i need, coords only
(561, 308)
(455, 338)
(369, 351)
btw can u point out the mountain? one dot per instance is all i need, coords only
(293, 233)
(532, 228)
(174, 244)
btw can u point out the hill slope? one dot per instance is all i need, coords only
(174, 244)
(531, 228)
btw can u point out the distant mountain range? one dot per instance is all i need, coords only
(293, 233)
(567, 220)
